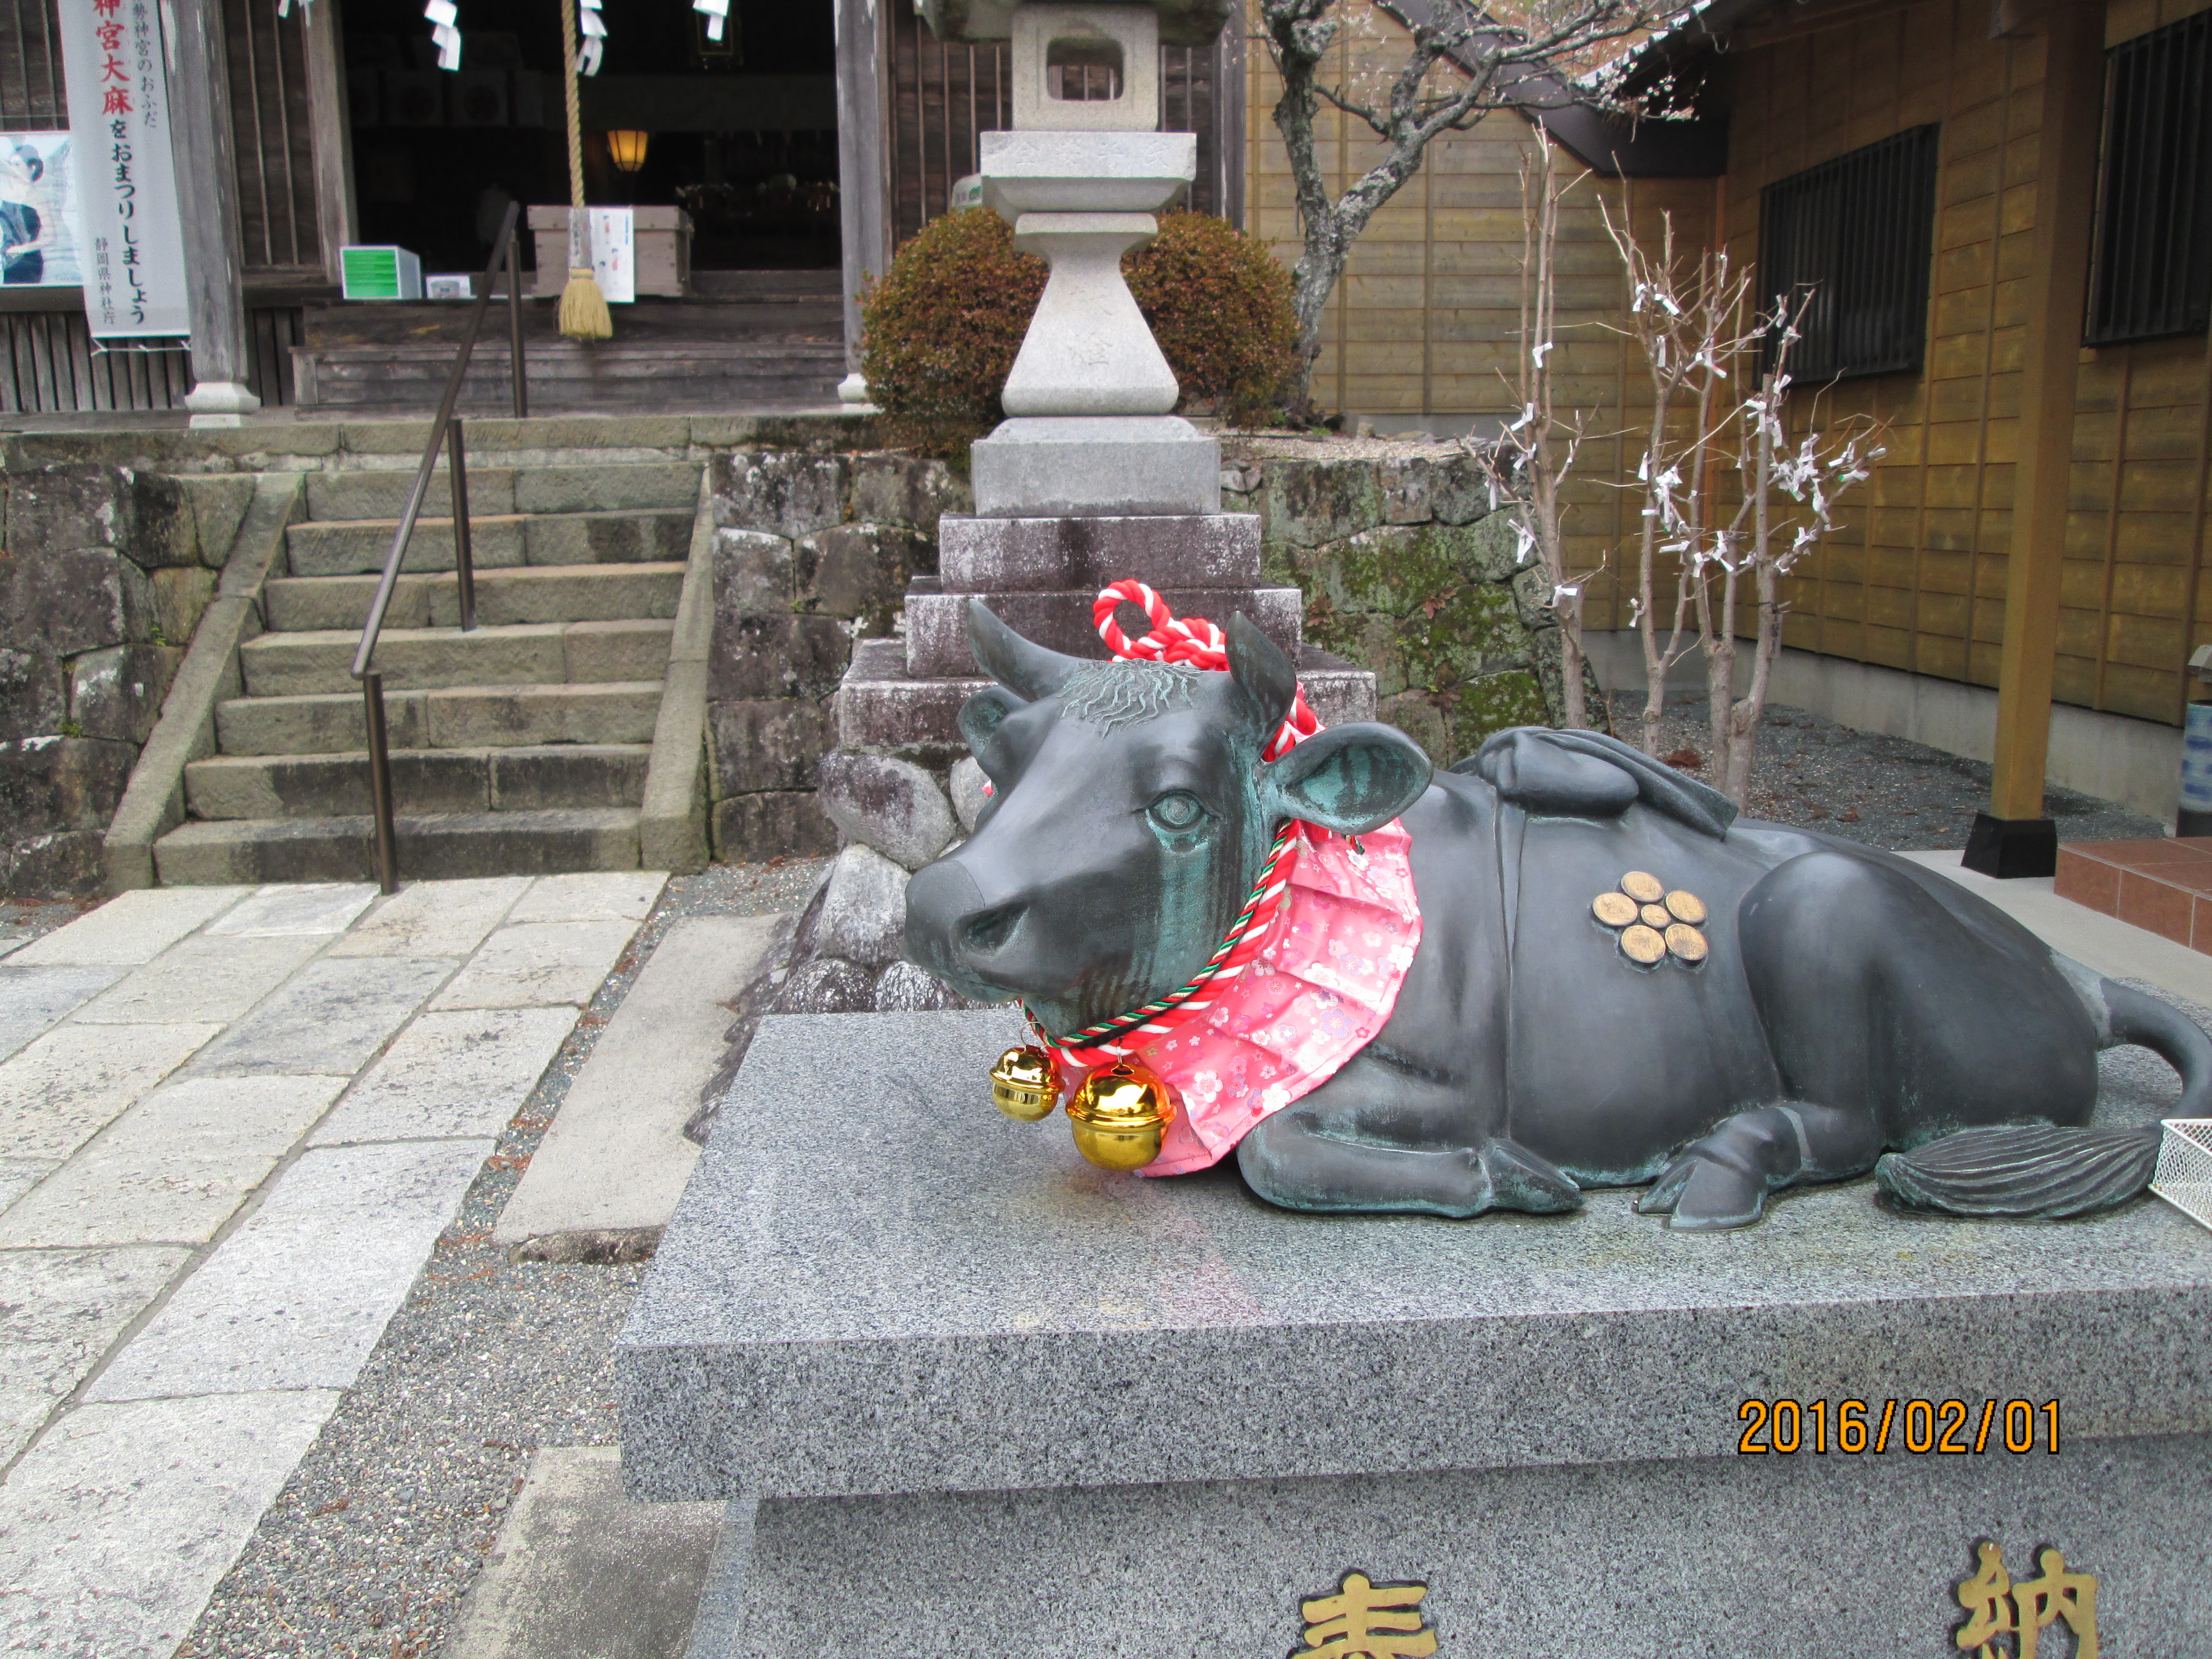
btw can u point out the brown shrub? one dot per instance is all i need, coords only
(942, 327)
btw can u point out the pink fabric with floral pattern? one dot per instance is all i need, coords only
(1320, 989)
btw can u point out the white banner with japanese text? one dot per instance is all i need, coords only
(132, 250)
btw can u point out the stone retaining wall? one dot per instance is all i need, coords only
(1407, 573)
(105, 573)
(812, 552)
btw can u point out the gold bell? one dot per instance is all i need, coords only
(1025, 1084)
(1120, 1115)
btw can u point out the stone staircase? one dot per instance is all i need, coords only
(519, 747)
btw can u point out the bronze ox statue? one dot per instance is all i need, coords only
(1853, 1011)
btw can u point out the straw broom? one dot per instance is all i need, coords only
(583, 308)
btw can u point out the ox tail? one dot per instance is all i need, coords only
(2047, 1170)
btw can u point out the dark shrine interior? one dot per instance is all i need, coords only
(741, 133)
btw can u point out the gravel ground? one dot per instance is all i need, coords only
(369, 1549)
(1814, 774)
(378, 1536)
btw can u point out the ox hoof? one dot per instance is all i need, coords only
(1519, 1180)
(1698, 1193)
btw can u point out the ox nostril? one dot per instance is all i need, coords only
(984, 934)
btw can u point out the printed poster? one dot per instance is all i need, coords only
(37, 211)
(614, 253)
(131, 243)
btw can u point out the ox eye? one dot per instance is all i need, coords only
(1177, 810)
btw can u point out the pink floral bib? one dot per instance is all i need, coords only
(1321, 986)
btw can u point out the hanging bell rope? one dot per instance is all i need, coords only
(583, 308)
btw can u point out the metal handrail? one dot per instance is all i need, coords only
(445, 434)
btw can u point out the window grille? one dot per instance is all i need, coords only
(1848, 242)
(2152, 271)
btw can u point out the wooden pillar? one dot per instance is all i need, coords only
(332, 136)
(207, 203)
(2013, 838)
(864, 139)
(1228, 98)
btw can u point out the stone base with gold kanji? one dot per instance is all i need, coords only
(994, 1401)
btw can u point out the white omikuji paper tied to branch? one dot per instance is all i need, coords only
(133, 244)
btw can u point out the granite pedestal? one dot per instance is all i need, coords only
(994, 1401)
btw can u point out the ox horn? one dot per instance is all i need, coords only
(1029, 669)
(1262, 672)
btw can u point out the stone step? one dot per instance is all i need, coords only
(495, 490)
(460, 717)
(345, 547)
(431, 846)
(529, 653)
(553, 594)
(522, 779)
(882, 709)
(937, 621)
(1186, 549)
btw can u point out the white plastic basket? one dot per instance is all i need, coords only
(2184, 1168)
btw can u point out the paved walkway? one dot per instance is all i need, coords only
(233, 1122)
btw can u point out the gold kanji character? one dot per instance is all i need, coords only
(1987, 1598)
(1366, 1618)
(2056, 1594)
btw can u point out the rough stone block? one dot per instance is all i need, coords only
(895, 488)
(73, 601)
(63, 863)
(1405, 487)
(903, 986)
(752, 574)
(1492, 547)
(117, 692)
(1313, 502)
(785, 494)
(33, 693)
(777, 824)
(788, 656)
(181, 598)
(143, 516)
(937, 623)
(826, 985)
(1459, 491)
(987, 556)
(856, 570)
(766, 745)
(1096, 466)
(892, 805)
(863, 915)
(219, 504)
(966, 788)
(62, 783)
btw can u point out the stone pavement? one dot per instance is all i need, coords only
(233, 1122)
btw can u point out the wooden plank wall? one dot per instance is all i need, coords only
(1916, 579)
(1426, 318)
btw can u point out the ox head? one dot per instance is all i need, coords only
(1130, 812)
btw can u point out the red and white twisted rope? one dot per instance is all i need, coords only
(1189, 640)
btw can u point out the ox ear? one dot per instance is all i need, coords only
(1029, 671)
(1262, 672)
(1350, 779)
(981, 715)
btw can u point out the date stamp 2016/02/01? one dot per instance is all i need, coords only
(1955, 1427)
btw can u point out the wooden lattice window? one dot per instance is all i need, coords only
(2153, 273)
(1846, 245)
